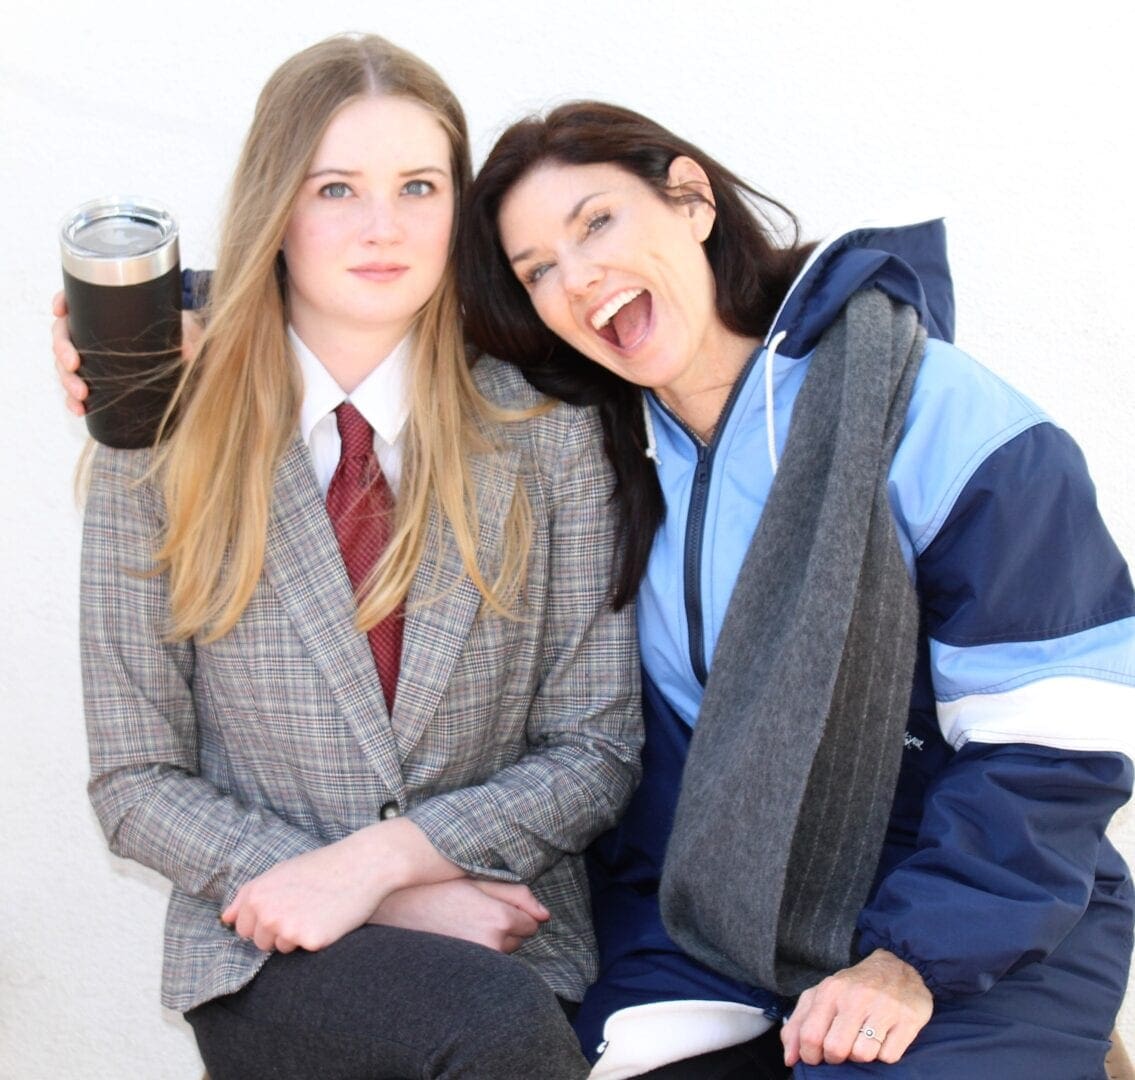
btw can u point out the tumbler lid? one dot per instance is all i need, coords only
(118, 240)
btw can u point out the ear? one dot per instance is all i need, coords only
(687, 177)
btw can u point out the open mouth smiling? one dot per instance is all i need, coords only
(624, 320)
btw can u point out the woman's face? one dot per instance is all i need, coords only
(368, 239)
(618, 271)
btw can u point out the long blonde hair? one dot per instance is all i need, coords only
(239, 402)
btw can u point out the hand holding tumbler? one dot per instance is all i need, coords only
(122, 280)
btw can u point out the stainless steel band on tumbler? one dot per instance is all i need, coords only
(116, 240)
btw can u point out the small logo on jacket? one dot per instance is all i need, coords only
(911, 742)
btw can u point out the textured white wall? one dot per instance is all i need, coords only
(1011, 126)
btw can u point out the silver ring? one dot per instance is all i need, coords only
(869, 1033)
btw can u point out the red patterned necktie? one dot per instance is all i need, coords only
(361, 507)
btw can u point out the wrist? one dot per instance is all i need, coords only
(400, 856)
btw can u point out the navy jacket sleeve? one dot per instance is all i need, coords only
(195, 288)
(1004, 865)
(1030, 621)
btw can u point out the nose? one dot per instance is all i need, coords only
(381, 223)
(579, 274)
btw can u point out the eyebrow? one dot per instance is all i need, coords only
(569, 217)
(332, 171)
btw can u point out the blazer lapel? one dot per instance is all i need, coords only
(303, 565)
(443, 601)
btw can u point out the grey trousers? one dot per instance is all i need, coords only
(390, 1004)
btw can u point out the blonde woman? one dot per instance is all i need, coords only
(317, 811)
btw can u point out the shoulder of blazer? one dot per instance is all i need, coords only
(124, 474)
(503, 384)
(550, 435)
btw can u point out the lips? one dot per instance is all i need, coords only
(624, 319)
(379, 272)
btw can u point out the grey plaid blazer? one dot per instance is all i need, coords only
(511, 744)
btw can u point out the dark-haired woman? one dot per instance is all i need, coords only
(887, 640)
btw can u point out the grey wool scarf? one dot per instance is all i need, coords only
(791, 772)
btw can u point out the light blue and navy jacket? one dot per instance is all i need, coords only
(1021, 722)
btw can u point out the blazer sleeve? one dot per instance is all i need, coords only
(141, 712)
(584, 725)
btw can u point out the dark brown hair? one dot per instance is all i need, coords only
(752, 270)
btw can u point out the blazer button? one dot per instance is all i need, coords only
(389, 810)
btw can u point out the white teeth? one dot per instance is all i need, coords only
(608, 311)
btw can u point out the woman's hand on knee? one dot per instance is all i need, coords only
(496, 914)
(871, 1011)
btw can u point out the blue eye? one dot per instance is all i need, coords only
(536, 273)
(418, 188)
(597, 221)
(335, 190)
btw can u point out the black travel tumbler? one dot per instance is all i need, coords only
(123, 286)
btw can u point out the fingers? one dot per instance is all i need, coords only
(896, 1040)
(67, 358)
(228, 916)
(191, 331)
(504, 923)
(790, 1037)
(263, 938)
(871, 1011)
(496, 921)
(806, 1030)
(842, 1041)
(243, 921)
(519, 896)
(818, 1035)
(511, 944)
(240, 917)
(867, 1043)
(520, 925)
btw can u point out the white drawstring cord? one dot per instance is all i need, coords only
(770, 423)
(770, 414)
(651, 442)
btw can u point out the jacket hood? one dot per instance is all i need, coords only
(907, 261)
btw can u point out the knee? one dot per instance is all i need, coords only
(514, 1026)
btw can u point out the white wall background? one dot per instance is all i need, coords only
(1014, 124)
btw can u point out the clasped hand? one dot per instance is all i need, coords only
(387, 874)
(311, 900)
(496, 914)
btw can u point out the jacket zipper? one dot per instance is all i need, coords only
(695, 521)
(691, 572)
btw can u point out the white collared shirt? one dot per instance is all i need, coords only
(382, 397)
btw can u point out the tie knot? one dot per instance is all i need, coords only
(356, 434)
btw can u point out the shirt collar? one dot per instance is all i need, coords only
(382, 397)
